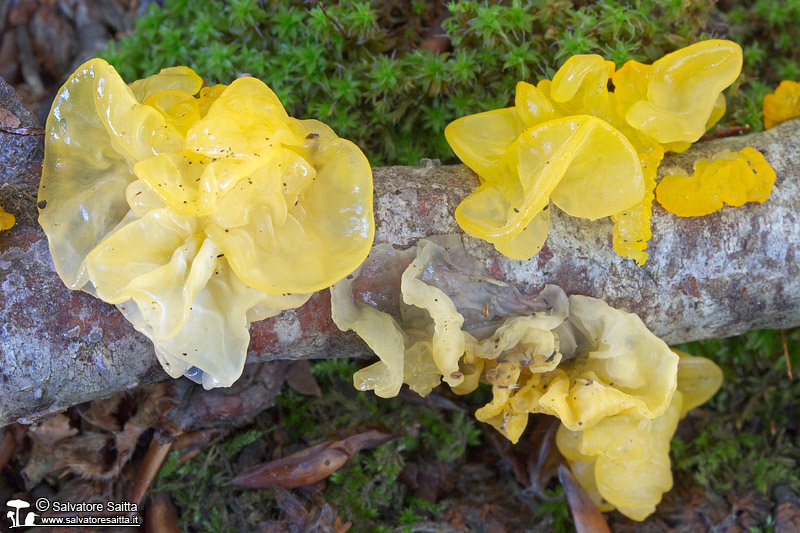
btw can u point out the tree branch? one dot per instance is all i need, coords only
(714, 276)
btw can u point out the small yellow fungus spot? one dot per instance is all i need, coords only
(729, 177)
(197, 210)
(6, 220)
(783, 104)
(572, 141)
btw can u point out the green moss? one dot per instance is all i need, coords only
(749, 435)
(358, 65)
(769, 31)
(557, 509)
(200, 489)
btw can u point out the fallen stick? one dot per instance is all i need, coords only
(708, 277)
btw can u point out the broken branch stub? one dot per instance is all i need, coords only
(713, 276)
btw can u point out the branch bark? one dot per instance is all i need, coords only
(708, 277)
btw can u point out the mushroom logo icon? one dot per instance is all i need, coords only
(14, 515)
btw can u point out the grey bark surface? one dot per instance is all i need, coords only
(707, 277)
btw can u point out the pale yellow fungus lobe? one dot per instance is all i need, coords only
(427, 348)
(197, 210)
(6, 220)
(617, 389)
(609, 364)
(623, 461)
(783, 104)
(592, 151)
(733, 178)
(424, 342)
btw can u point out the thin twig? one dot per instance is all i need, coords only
(333, 21)
(786, 355)
(22, 131)
(725, 132)
(156, 453)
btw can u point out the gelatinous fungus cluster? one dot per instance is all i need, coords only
(728, 177)
(197, 210)
(617, 389)
(593, 151)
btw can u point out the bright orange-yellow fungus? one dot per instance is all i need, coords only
(562, 160)
(524, 158)
(197, 210)
(6, 220)
(733, 178)
(683, 89)
(783, 104)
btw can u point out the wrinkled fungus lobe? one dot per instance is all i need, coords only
(728, 177)
(197, 210)
(617, 389)
(592, 152)
(783, 104)
(622, 451)
(6, 220)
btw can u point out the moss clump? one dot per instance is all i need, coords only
(749, 436)
(360, 66)
(768, 31)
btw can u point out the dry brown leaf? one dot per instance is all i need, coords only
(54, 40)
(190, 445)
(428, 479)
(317, 516)
(11, 437)
(301, 380)
(787, 517)
(787, 510)
(44, 455)
(103, 413)
(151, 464)
(8, 119)
(90, 456)
(160, 514)
(587, 518)
(311, 464)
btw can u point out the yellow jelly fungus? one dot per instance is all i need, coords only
(623, 461)
(6, 220)
(682, 90)
(573, 141)
(733, 178)
(561, 160)
(617, 389)
(420, 354)
(197, 210)
(783, 104)
(611, 364)
(580, 87)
